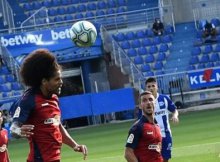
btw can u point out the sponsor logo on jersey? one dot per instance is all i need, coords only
(149, 133)
(161, 103)
(17, 112)
(156, 147)
(162, 112)
(54, 121)
(130, 138)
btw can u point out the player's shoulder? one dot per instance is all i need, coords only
(164, 96)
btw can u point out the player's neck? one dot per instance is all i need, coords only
(150, 118)
(45, 93)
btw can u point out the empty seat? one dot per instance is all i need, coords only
(217, 48)
(79, 16)
(163, 48)
(145, 68)
(37, 5)
(149, 33)
(149, 59)
(111, 3)
(100, 13)
(166, 39)
(122, 2)
(140, 34)
(169, 29)
(159, 72)
(215, 21)
(153, 49)
(196, 51)
(71, 9)
(52, 12)
(9, 78)
(81, 8)
(158, 65)
(132, 52)
(207, 49)
(121, 9)
(91, 6)
(191, 67)
(201, 66)
(142, 51)
(130, 35)
(55, 3)
(89, 14)
(16, 86)
(2, 79)
(68, 17)
(209, 65)
(204, 59)
(101, 5)
(194, 60)
(146, 42)
(46, 3)
(156, 40)
(138, 60)
(214, 57)
(61, 11)
(161, 56)
(149, 73)
(135, 43)
(4, 70)
(110, 11)
(119, 37)
(5, 88)
(125, 45)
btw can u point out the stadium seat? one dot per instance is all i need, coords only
(156, 40)
(132, 52)
(58, 18)
(71, 9)
(125, 45)
(142, 51)
(91, 7)
(161, 56)
(28, 6)
(140, 34)
(130, 35)
(9, 78)
(153, 49)
(66, 2)
(52, 12)
(159, 72)
(149, 33)
(101, 5)
(89, 14)
(5, 87)
(100, 13)
(163, 48)
(46, 3)
(75, 1)
(135, 43)
(209, 65)
(217, 63)
(4, 70)
(166, 39)
(2, 79)
(196, 51)
(194, 60)
(110, 11)
(81, 8)
(215, 21)
(217, 48)
(158, 65)
(138, 60)
(214, 57)
(191, 67)
(79, 16)
(121, 9)
(145, 68)
(56, 3)
(16, 86)
(68, 17)
(119, 37)
(37, 5)
(111, 4)
(201, 66)
(61, 11)
(121, 2)
(207, 49)
(169, 29)
(146, 42)
(149, 59)
(149, 73)
(204, 59)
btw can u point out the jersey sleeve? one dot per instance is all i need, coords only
(23, 108)
(133, 136)
(171, 105)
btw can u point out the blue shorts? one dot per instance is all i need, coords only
(166, 147)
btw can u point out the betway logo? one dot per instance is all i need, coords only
(200, 79)
(35, 38)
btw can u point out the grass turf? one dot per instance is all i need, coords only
(196, 139)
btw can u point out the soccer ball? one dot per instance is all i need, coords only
(83, 33)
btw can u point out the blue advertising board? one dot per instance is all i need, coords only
(52, 39)
(204, 78)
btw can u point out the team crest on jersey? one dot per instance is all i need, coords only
(17, 112)
(161, 103)
(130, 138)
(149, 132)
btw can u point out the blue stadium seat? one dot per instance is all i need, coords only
(149, 33)
(100, 13)
(194, 60)
(138, 60)
(217, 48)
(110, 11)
(91, 7)
(121, 9)
(153, 49)
(145, 68)
(163, 48)
(71, 9)
(158, 65)
(191, 67)
(111, 3)
(142, 51)
(217, 63)
(79, 16)
(140, 34)
(209, 65)
(101, 5)
(47, 3)
(204, 59)
(9, 78)
(4, 70)
(89, 14)
(149, 73)
(61, 11)
(130, 35)
(37, 5)
(169, 29)
(146, 42)
(135, 43)
(81, 8)
(2, 79)
(75, 1)
(68, 17)
(201, 66)
(28, 6)
(208, 49)
(56, 3)
(166, 39)
(122, 2)
(58, 19)
(196, 51)
(149, 59)
(132, 52)
(52, 12)
(156, 40)
(15, 86)
(119, 37)
(214, 57)
(125, 45)
(159, 72)
(161, 56)
(5, 87)
(66, 2)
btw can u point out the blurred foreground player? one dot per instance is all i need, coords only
(144, 138)
(37, 113)
(3, 141)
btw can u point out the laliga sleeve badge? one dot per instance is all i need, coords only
(17, 112)
(130, 138)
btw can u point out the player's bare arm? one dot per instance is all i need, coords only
(175, 117)
(68, 140)
(21, 130)
(129, 155)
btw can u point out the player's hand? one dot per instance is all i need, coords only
(3, 148)
(175, 119)
(83, 149)
(27, 130)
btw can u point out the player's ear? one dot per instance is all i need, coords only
(44, 81)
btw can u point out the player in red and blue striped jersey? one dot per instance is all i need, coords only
(37, 114)
(144, 138)
(164, 105)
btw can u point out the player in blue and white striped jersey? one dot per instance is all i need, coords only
(164, 106)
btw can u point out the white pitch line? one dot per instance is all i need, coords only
(197, 145)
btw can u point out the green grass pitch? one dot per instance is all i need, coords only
(196, 139)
